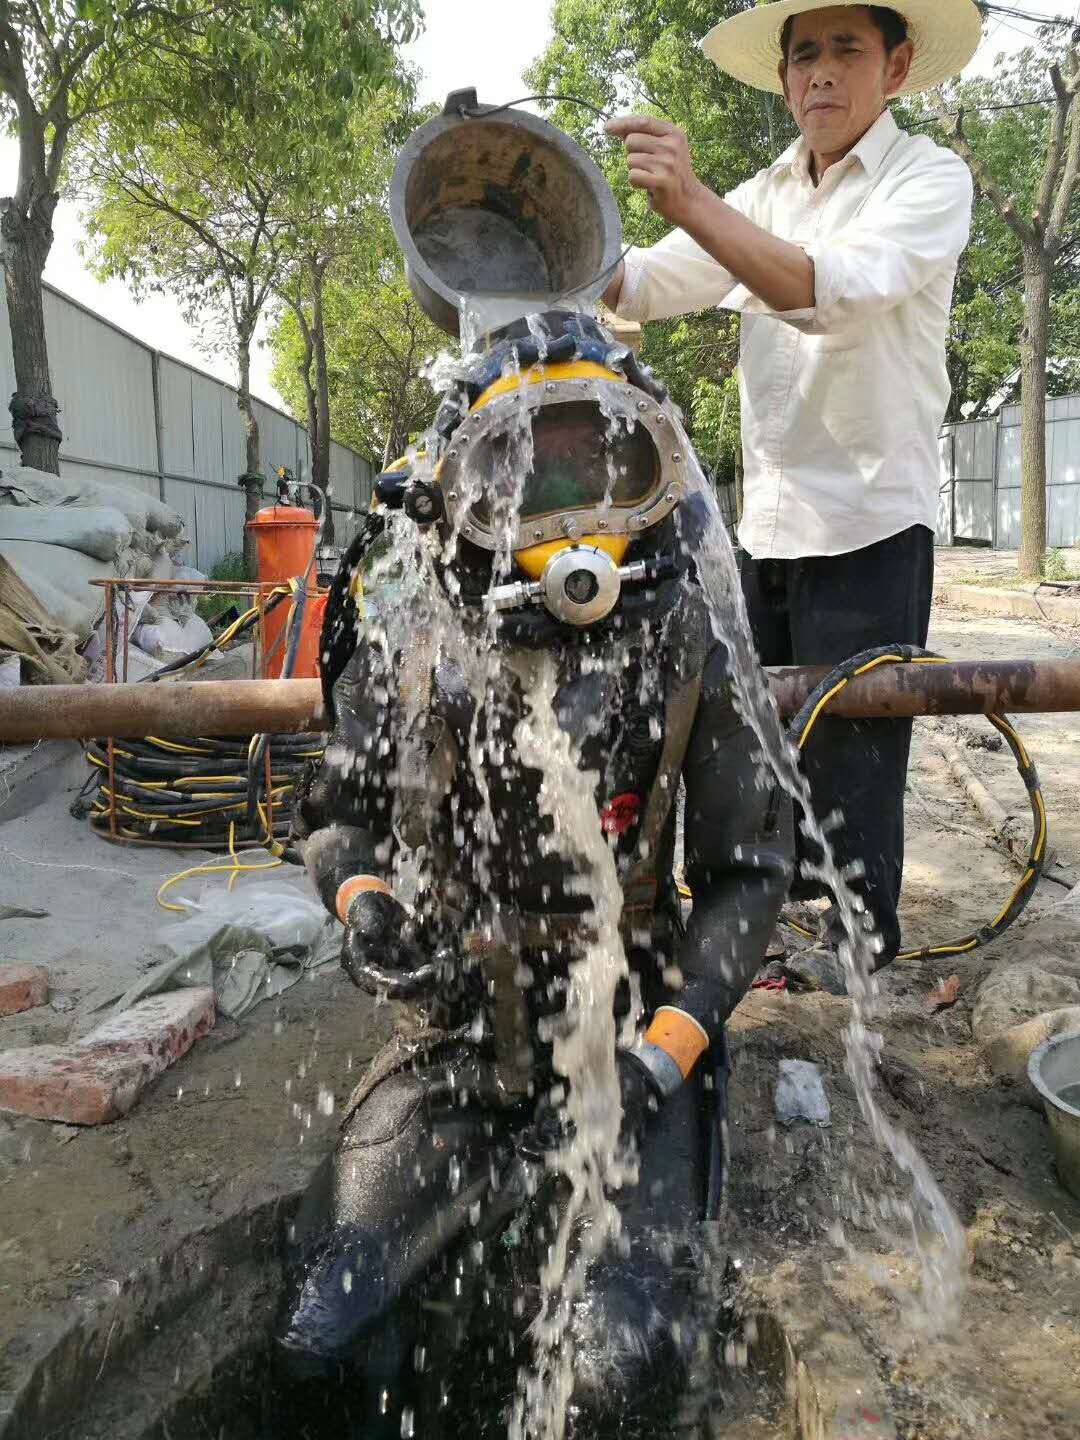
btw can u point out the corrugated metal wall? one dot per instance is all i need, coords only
(981, 473)
(104, 381)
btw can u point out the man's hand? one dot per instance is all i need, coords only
(658, 157)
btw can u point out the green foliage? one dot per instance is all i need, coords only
(378, 341)
(230, 567)
(186, 180)
(988, 306)
(1055, 567)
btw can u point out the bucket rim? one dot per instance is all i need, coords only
(448, 120)
(1034, 1069)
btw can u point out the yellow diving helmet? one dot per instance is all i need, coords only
(561, 466)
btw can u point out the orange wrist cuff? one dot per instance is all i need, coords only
(357, 885)
(678, 1035)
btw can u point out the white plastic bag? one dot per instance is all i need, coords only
(800, 1094)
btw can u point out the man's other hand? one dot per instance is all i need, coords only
(658, 157)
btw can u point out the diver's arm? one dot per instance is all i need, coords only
(739, 850)
(341, 814)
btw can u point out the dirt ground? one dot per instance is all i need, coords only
(247, 1115)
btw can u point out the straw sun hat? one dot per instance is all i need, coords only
(945, 33)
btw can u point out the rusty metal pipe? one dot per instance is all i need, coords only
(247, 707)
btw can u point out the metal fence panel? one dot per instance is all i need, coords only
(178, 441)
(103, 379)
(206, 428)
(180, 494)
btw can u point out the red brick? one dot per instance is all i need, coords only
(22, 987)
(161, 1028)
(100, 1077)
(80, 1087)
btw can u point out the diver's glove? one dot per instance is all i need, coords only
(380, 955)
(641, 1095)
(658, 1064)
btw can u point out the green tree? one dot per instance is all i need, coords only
(1033, 189)
(62, 64)
(187, 187)
(336, 223)
(621, 55)
(379, 344)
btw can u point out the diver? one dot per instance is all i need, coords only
(557, 520)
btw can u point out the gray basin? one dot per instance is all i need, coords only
(1054, 1069)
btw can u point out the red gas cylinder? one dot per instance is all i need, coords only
(285, 538)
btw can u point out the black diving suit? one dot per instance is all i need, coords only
(444, 1142)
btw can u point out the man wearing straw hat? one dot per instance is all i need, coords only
(840, 258)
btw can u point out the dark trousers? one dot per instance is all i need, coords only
(819, 611)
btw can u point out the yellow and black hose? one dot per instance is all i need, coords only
(204, 792)
(817, 703)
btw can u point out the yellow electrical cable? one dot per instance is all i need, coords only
(1026, 767)
(209, 870)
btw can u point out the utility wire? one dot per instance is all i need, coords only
(1031, 17)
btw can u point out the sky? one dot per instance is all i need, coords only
(483, 43)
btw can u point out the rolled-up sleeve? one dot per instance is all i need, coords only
(892, 251)
(676, 276)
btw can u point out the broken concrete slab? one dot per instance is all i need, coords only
(1023, 604)
(22, 987)
(99, 1078)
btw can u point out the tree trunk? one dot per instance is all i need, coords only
(320, 447)
(25, 241)
(304, 371)
(1033, 340)
(252, 478)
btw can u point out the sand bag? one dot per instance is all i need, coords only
(101, 532)
(46, 650)
(25, 486)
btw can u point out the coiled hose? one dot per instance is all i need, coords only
(204, 792)
(801, 728)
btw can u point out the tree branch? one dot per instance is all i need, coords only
(1070, 174)
(1054, 151)
(1004, 204)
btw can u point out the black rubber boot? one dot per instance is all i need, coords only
(412, 1172)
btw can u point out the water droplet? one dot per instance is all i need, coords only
(408, 1424)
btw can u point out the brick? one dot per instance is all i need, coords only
(22, 987)
(100, 1077)
(161, 1028)
(64, 1082)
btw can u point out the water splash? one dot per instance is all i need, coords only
(584, 1047)
(934, 1233)
(584, 1043)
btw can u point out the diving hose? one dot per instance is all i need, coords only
(801, 728)
(204, 792)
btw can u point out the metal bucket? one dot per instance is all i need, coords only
(1054, 1070)
(502, 213)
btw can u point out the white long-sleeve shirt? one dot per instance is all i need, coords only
(842, 403)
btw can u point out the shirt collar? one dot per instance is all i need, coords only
(870, 151)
